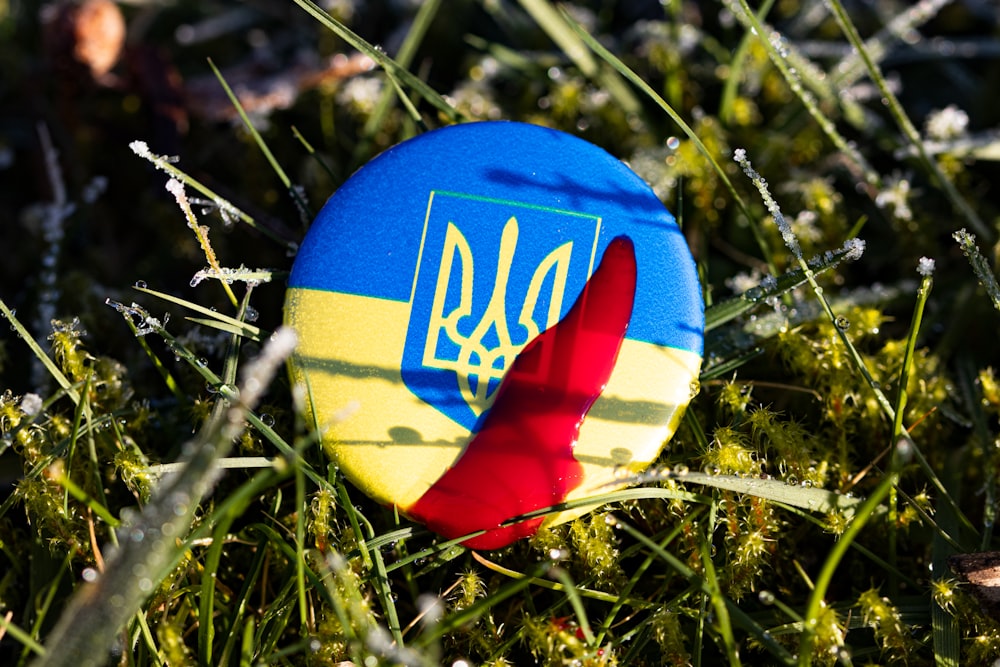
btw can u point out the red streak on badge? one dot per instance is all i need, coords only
(522, 458)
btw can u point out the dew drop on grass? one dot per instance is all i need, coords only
(251, 314)
(267, 419)
(680, 470)
(140, 284)
(694, 388)
(842, 323)
(766, 597)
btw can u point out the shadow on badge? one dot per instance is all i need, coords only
(513, 314)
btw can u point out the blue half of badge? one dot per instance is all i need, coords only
(427, 272)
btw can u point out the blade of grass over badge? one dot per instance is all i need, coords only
(514, 317)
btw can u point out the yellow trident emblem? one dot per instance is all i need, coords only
(486, 352)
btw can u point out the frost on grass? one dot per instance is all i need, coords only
(787, 235)
(806, 228)
(361, 94)
(252, 277)
(948, 123)
(141, 148)
(854, 249)
(744, 282)
(896, 194)
(980, 266)
(31, 404)
(144, 322)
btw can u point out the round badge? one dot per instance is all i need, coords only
(494, 318)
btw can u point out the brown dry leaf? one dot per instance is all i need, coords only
(261, 92)
(89, 34)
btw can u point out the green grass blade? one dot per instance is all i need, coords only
(959, 203)
(451, 623)
(794, 80)
(739, 617)
(573, 595)
(161, 368)
(300, 548)
(315, 155)
(237, 330)
(235, 325)
(165, 164)
(242, 602)
(147, 637)
(73, 489)
(865, 511)
(380, 57)
(724, 311)
(819, 501)
(557, 586)
(566, 37)
(637, 81)
(730, 88)
(261, 144)
(980, 266)
(414, 38)
(209, 576)
(39, 353)
(19, 634)
(718, 602)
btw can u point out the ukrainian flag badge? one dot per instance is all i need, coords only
(507, 316)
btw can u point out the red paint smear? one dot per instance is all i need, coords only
(522, 458)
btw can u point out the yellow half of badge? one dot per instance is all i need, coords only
(394, 446)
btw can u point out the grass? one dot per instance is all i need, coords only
(165, 497)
